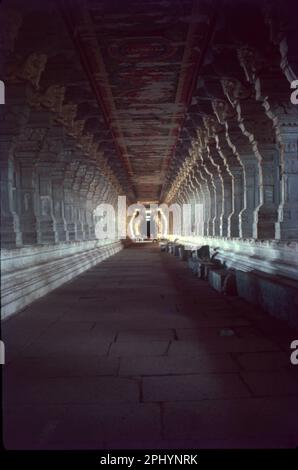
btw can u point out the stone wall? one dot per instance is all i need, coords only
(29, 273)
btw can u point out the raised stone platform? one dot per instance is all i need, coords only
(270, 256)
(29, 273)
(266, 271)
(276, 295)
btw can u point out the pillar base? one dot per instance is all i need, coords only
(246, 224)
(284, 231)
(233, 226)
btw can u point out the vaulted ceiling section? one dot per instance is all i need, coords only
(142, 58)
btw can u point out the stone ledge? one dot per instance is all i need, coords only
(269, 256)
(266, 271)
(216, 278)
(25, 280)
(276, 295)
(18, 258)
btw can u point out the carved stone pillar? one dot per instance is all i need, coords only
(26, 153)
(225, 229)
(272, 90)
(13, 118)
(219, 199)
(69, 209)
(266, 216)
(90, 219)
(205, 196)
(234, 167)
(78, 201)
(207, 174)
(213, 168)
(258, 131)
(251, 181)
(10, 225)
(83, 217)
(50, 210)
(58, 201)
(25, 193)
(78, 216)
(287, 225)
(233, 189)
(237, 201)
(46, 230)
(89, 194)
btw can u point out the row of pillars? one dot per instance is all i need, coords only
(42, 206)
(243, 166)
(49, 187)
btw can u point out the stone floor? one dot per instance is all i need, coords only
(133, 354)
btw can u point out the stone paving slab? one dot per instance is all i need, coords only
(221, 344)
(66, 390)
(125, 423)
(275, 383)
(263, 361)
(88, 345)
(130, 354)
(139, 347)
(193, 387)
(166, 365)
(67, 366)
(146, 334)
(232, 419)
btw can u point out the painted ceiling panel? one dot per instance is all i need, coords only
(142, 58)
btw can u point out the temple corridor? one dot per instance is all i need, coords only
(149, 224)
(139, 353)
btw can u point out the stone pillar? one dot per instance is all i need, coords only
(205, 195)
(69, 209)
(251, 196)
(233, 191)
(26, 199)
(221, 177)
(207, 209)
(251, 182)
(78, 216)
(90, 219)
(26, 154)
(287, 225)
(83, 211)
(88, 194)
(10, 224)
(228, 201)
(78, 201)
(58, 201)
(219, 195)
(46, 229)
(234, 167)
(272, 90)
(50, 169)
(199, 198)
(258, 129)
(13, 119)
(251, 177)
(237, 201)
(266, 216)
(208, 177)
